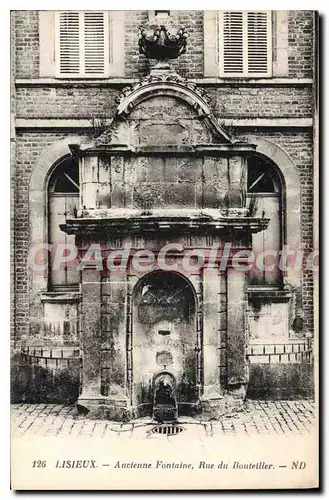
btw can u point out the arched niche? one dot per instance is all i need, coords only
(164, 336)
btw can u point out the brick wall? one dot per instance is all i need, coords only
(63, 102)
(294, 352)
(79, 101)
(300, 35)
(298, 144)
(27, 43)
(254, 102)
(12, 175)
(135, 64)
(189, 65)
(29, 147)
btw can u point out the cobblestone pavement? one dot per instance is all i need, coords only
(258, 417)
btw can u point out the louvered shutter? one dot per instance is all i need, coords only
(233, 42)
(245, 43)
(69, 42)
(258, 42)
(82, 44)
(94, 46)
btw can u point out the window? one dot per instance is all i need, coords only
(245, 47)
(63, 200)
(82, 44)
(264, 198)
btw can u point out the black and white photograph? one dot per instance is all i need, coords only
(164, 249)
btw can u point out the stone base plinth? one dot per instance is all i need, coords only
(100, 407)
(210, 407)
(231, 401)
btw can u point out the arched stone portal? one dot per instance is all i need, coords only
(165, 337)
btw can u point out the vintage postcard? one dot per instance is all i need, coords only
(164, 250)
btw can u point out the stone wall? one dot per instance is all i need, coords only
(164, 337)
(281, 381)
(45, 375)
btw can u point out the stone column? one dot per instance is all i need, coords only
(236, 328)
(91, 338)
(211, 288)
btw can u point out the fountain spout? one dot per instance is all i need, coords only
(165, 407)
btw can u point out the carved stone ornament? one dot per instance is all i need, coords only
(161, 45)
(169, 77)
(167, 83)
(156, 42)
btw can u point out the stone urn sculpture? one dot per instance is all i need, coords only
(161, 45)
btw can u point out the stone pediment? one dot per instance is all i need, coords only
(164, 150)
(163, 109)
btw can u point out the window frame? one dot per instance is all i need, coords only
(220, 51)
(106, 73)
(278, 193)
(50, 195)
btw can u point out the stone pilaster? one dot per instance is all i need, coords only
(211, 375)
(113, 347)
(237, 182)
(118, 393)
(91, 339)
(236, 328)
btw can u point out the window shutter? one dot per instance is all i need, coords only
(245, 43)
(69, 42)
(94, 42)
(83, 44)
(232, 42)
(258, 41)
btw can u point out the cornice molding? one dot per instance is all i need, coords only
(235, 148)
(165, 223)
(85, 123)
(108, 82)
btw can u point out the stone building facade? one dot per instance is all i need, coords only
(112, 150)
